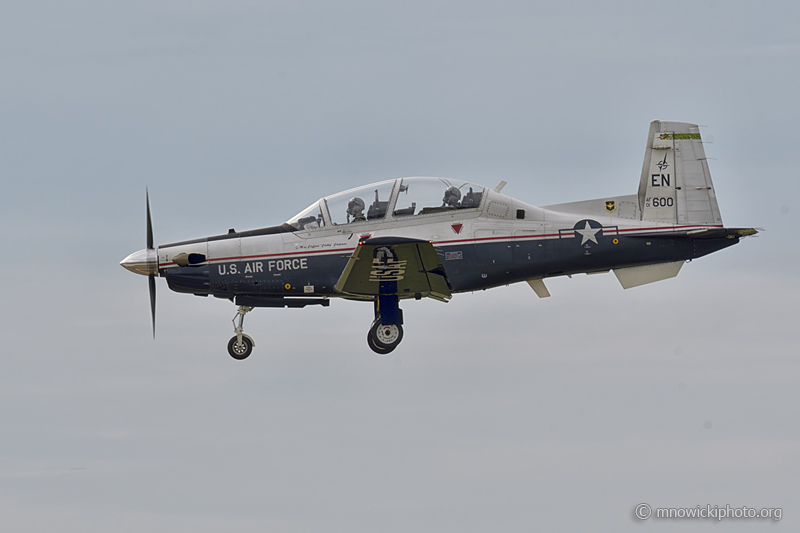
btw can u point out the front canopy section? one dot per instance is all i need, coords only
(360, 205)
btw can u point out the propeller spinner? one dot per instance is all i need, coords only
(145, 262)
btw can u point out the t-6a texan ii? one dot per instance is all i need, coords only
(414, 238)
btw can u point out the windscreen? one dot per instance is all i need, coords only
(309, 218)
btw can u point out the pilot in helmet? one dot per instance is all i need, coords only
(355, 209)
(451, 197)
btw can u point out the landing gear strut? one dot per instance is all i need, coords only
(240, 346)
(386, 331)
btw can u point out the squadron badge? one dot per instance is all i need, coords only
(611, 206)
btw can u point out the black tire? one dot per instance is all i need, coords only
(240, 352)
(373, 347)
(383, 339)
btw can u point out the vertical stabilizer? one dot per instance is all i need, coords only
(675, 186)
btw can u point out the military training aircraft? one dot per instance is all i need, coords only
(433, 237)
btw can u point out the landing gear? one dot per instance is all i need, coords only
(240, 346)
(383, 338)
(240, 350)
(386, 331)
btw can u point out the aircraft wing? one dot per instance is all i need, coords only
(409, 268)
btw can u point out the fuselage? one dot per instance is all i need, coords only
(495, 241)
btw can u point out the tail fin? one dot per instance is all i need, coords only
(676, 186)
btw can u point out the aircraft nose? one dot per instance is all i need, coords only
(144, 262)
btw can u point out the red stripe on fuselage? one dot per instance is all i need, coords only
(570, 232)
(563, 233)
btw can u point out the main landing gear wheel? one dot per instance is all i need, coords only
(373, 347)
(240, 350)
(382, 339)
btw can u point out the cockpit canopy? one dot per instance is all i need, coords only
(394, 199)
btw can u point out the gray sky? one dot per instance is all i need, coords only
(499, 411)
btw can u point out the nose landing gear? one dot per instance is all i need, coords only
(240, 346)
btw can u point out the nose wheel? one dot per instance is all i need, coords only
(383, 338)
(240, 346)
(240, 350)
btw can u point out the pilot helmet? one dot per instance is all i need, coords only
(355, 206)
(451, 196)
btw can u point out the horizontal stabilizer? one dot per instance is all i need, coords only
(539, 288)
(642, 275)
(703, 233)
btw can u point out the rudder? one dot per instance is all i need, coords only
(675, 186)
